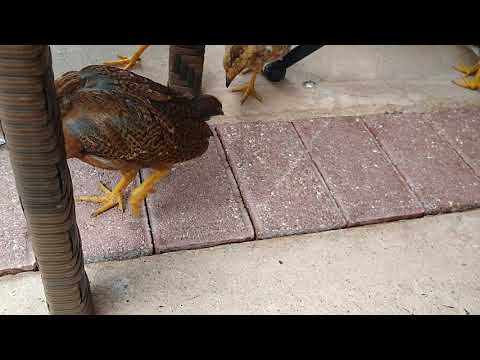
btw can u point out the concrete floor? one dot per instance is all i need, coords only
(351, 79)
(423, 266)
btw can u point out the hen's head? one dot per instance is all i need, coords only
(208, 105)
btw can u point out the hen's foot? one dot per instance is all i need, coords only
(141, 192)
(248, 89)
(128, 62)
(111, 198)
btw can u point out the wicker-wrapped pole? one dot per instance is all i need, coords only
(30, 120)
(186, 68)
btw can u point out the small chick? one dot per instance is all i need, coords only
(246, 58)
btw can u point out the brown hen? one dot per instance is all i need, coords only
(116, 120)
(246, 58)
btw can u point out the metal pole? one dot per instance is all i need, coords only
(34, 136)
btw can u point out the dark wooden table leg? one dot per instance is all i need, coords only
(186, 68)
(34, 136)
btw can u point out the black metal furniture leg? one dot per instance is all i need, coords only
(277, 70)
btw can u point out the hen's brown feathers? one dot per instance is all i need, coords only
(116, 119)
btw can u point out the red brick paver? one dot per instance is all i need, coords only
(462, 130)
(362, 180)
(113, 235)
(198, 205)
(281, 187)
(440, 178)
(289, 176)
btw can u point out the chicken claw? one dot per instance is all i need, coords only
(129, 62)
(111, 198)
(473, 84)
(141, 192)
(248, 89)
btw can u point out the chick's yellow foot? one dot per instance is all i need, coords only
(128, 62)
(473, 84)
(468, 70)
(141, 192)
(248, 89)
(109, 200)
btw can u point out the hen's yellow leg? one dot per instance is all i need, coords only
(141, 192)
(111, 198)
(129, 62)
(474, 83)
(249, 89)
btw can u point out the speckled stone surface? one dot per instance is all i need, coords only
(461, 127)
(281, 187)
(15, 249)
(198, 205)
(113, 235)
(360, 177)
(440, 178)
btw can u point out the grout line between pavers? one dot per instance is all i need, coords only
(450, 145)
(244, 203)
(387, 157)
(149, 222)
(330, 192)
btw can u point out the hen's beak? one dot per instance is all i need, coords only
(228, 82)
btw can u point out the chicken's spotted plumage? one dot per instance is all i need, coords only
(117, 120)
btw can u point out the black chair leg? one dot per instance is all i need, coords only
(277, 70)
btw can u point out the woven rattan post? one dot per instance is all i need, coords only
(186, 68)
(30, 119)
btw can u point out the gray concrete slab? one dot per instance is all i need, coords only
(351, 80)
(423, 266)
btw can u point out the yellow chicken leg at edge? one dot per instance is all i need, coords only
(141, 192)
(473, 84)
(111, 198)
(129, 62)
(249, 89)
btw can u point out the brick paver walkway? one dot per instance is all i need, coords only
(262, 180)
